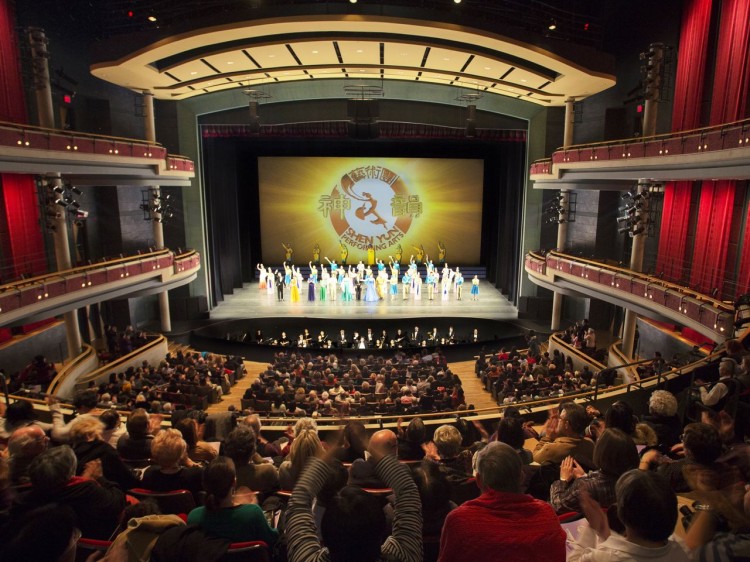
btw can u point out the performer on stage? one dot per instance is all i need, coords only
(394, 284)
(418, 286)
(475, 288)
(287, 275)
(324, 277)
(261, 276)
(307, 338)
(269, 281)
(459, 284)
(370, 255)
(295, 284)
(358, 289)
(405, 284)
(381, 284)
(347, 286)
(343, 252)
(342, 341)
(311, 289)
(445, 286)
(288, 253)
(322, 339)
(333, 288)
(316, 254)
(371, 294)
(283, 340)
(454, 279)
(430, 281)
(313, 272)
(279, 286)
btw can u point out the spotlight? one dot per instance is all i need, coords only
(61, 202)
(624, 229)
(623, 219)
(552, 24)
(353, 1)
(75, 190)
(637, 231)
(457, 1)
(58, 189)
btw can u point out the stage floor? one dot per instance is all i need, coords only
(251, 302)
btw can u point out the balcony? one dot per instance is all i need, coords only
(711, 153)
(645, 294)
(90, 159)
(55, 293)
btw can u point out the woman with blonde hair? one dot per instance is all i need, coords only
(305, 445)
(88, 444)
(173, 470)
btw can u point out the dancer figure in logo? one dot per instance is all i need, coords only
(288, 253)
(441, 253)
(343, 252)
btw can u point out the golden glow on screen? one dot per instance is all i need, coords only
(378, 202)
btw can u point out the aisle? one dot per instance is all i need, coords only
(473, 389)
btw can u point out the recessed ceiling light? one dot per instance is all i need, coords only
(488, 68)
(193, 73)
(230, 62)
(523, 80)
(315, 52)
(271, 56)
(446, 58)
(359, 50)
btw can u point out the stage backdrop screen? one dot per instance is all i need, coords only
(345, 205)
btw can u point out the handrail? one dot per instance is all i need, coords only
(36, 280)
(93, 375)
(661, 136)
(644, 277)
(65, 371)
(77, 134)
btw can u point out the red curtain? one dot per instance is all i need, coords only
(688, 92)
(729, 100)
(712, 235)
(23, 245)
(674, 228)
(12, 106)
(731, 93)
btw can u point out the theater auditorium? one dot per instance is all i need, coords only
(405, 280)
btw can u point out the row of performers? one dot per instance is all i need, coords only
(353, 282)
(368, 340)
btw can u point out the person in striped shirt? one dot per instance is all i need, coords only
(353, 524)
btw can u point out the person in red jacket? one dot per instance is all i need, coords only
(502, 523)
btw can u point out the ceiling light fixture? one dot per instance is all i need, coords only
(151, 18)
(552, 25)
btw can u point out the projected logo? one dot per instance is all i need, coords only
(371, 206)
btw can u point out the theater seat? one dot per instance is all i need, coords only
(85, 547)
(254, 551)
(174, 502)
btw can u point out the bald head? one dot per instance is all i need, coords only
(28, 441)
(384, 442)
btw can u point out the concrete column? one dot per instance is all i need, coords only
(55, 213)
(636, 264)
(158, 229)
(562, 227)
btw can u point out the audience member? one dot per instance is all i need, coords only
(96, 502)
(173, 469)
(88, 445)
(647, 508)
(614, 454)
(353, 524)
(564, 437)
(198, 451)
(136, 443)
(226, 515)
(305, 446)
(240, 447)
(503, 523)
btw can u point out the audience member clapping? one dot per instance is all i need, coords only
(614, 454)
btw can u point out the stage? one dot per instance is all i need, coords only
(233, 324)
(251, 302)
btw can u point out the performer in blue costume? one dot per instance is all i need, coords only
(371, 295)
